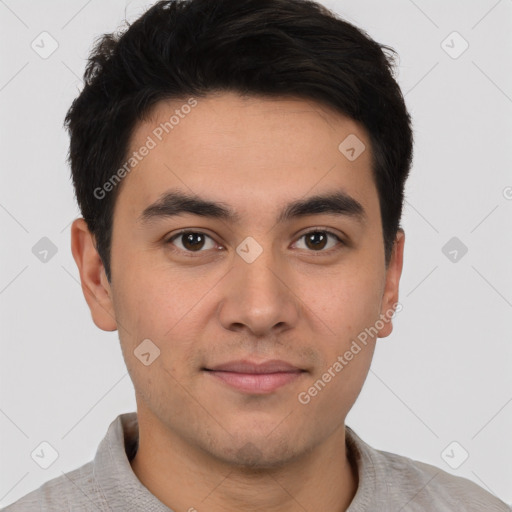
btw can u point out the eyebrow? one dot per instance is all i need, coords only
(173, 203)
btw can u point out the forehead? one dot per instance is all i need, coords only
(259, 151)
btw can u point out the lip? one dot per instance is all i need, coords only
(247, 366)
(255, 377)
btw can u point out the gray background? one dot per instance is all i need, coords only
(442, 376)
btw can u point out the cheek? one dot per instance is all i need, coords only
(331, 392)
(348, 305)
(346, 302)
(156, 307)
(150, 303)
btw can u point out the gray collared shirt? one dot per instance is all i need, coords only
(387, 482)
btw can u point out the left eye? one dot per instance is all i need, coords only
(194, 241)
(318, 239)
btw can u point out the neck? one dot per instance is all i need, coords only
(185, 478)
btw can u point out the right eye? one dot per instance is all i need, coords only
(188, 241)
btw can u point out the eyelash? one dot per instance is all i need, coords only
(193, 254)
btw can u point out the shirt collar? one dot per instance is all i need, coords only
(120, 485)
(114, 474)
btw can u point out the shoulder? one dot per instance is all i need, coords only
(434, 486)
(75, 490)
(402, 483)
(90, 486)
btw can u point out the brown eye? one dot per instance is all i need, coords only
(191, 241)
(318, 240)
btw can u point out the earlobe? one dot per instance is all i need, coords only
(95, 286)
(391, 290)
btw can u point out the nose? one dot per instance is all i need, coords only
(258, 297)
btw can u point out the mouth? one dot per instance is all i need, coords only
(255, 378)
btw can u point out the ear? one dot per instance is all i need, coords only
(95, 286)
(390, 295)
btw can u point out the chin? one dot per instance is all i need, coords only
(257, 454)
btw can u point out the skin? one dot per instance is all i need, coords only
(202, 444)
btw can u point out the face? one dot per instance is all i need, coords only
(240, 281)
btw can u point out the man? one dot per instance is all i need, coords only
(240, 167)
